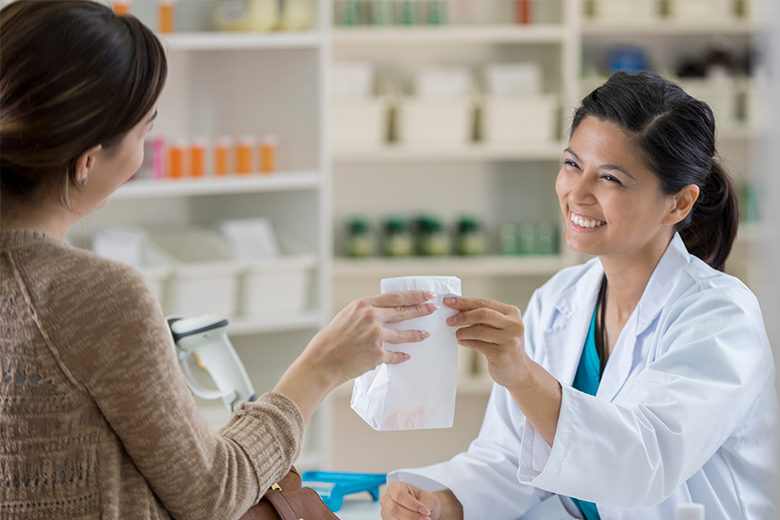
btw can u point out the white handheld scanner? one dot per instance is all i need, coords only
(206, 337)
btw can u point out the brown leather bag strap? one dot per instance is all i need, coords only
(280, 503)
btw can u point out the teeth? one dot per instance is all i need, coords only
(585, 223)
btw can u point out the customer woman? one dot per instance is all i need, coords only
(635, 382)
(96, 420)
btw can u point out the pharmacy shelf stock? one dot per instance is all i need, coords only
(475, 152)
(670, 28)
(450, 34)
(482, 267)
(229, 184)
(270, 323)
(217, 41)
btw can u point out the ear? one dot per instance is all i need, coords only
(683, 202)
(86, 162)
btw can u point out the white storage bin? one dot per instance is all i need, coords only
(721, 94)
(447, 122)
(634, 12)
(205, 273)
(519, 119)
(280, 285)
(359, 123)
(702, 11)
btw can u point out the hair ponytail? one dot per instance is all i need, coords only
(711, 227)
(676, 135)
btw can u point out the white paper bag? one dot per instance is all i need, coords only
(419, 393)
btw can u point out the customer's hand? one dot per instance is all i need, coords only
(404, 501)
(352, 345)
(495, 330)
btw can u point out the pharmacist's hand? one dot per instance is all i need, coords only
(352, 343)
(495, 330)
(404, 501)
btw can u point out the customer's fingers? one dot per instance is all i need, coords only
(400, 503)
(397, 337)
(407, 312)
(400, 298)
(394, 358)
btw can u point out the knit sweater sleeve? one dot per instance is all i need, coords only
(111, 339)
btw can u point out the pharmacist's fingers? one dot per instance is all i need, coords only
(396, 337)
(480, 346)
(468, 304)
(397, 314)
(482, 316)
(400, 503)
(481, 333)
(400, 298)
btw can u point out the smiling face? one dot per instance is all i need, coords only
(612, 202)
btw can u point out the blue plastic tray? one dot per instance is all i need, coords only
(333, 486)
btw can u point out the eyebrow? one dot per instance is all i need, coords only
(153, 117)
(603, 166)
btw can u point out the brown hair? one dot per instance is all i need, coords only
(73, 75)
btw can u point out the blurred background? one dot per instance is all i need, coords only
(307, 149)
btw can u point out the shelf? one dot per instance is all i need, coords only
(221, 41)
(449, 34)
(242, 326)
(230, 184)
(551, 151)
(669, 28)
(484, 267)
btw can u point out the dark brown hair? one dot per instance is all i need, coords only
(73, 75)
(676, 135)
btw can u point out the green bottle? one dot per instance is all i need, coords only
(361, 242)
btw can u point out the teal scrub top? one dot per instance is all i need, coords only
(587, 380)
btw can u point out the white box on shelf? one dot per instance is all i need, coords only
(702, 11)
(445, 122)
(205, 273)
(519, 119)
(278, 285)
(635, 12)
(359, 122)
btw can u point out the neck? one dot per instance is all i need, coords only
(628, 277)
(46, 215)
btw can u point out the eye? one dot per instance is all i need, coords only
(611, 179)
(571, 163)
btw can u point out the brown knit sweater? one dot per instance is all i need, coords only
(96, 420)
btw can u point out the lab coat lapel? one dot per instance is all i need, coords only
(565, 337)
(654, 297)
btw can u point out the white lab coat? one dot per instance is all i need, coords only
(686, 410)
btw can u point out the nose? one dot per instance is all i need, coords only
(581, 192)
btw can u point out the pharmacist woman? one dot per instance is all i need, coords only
(96, 420)
(639, 380)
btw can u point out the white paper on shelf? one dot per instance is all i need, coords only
(352, 79)
(122, 243)
(443, 82)
(419, 393)
(252, 239)
(514, 79)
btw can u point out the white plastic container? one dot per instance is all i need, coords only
(359, 123)
(279, 285)
(431, 122)
(634, 12)
(702, 11)
(519, 119)
(205, 273)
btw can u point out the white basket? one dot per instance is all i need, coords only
(156, 268)
(359, 123)
(205, 273)
(702, 11)
(635, 12)
(519, 120)
(280, 285)
(435, 122)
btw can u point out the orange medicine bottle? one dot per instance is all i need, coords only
(268, 154)
(121, 7)
(198, 157)
(166, 16)
(245, 151)
(222, 156)
(176, 159)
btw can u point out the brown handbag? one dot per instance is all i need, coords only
(288, 500)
